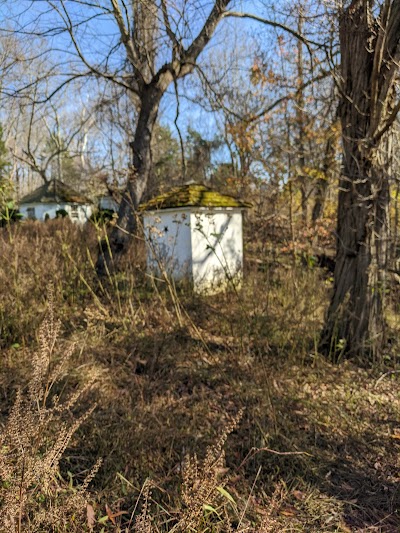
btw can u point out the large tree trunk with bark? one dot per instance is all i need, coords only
(138, 179)
(355, 321)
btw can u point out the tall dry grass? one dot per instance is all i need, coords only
(33, 496)
(36, 255)
(166, 384)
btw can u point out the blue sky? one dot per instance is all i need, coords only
(233, 37)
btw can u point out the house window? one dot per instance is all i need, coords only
(74, 212)
(30, 212)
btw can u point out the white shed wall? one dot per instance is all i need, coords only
(217, 248)
(41, 210)
(168, 242)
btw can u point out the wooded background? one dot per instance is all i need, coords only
(290, 105)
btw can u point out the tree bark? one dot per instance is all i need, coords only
(138, 179)
(321, 186)
(355, 321)
(300, 123)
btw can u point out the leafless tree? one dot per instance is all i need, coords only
(153, 45)
(47, 138)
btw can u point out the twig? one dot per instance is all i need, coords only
(384, 375)
(253, 451)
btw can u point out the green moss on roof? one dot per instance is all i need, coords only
(54, 191)
(193, 195)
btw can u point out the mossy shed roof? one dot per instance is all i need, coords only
(193, 195)
(54, 191)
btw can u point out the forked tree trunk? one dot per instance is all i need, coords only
(140, 36)
(138, 179)
(355, 321)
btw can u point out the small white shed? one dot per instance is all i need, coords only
(195, 233)
(51, 198)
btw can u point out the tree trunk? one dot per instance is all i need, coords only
(355, 322)
(321, 187)
(300, 123)
(138, 179)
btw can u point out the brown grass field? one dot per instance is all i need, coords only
(209, 414)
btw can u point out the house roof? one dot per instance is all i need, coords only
(54, 191)
(192, 195)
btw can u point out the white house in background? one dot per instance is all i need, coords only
(52, 198)
(108, 202)
(195, 233)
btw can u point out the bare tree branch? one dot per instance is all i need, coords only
(274, 24)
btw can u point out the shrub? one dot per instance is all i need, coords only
(8, 210)
(9, 214)
(103, 216)
(61, 213)
(33, 495)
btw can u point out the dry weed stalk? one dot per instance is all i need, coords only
(33, 440)
(269, 522)
(143, 522)
(201, 479)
